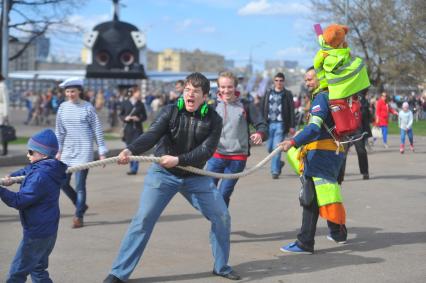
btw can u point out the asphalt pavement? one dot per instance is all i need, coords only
(386, 221)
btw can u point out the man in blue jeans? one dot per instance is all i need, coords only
(277, 108)
(186, 133)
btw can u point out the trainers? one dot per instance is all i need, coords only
(294, 248)
(275, 176)
(336, 241)
(112, 279)
(77, 222)
(401, 149)
(231, 275)
(412, 147)
(365, 176)
(386, 145)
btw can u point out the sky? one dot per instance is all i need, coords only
(266, 29)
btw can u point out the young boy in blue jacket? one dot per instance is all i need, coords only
(38, 203)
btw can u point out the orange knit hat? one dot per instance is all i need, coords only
(335, 34)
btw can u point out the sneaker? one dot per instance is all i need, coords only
(77, 223)
(401, 149)
(365, 176)
(294, 248)
(412, 147)
(275, 176)
(131, 173)
(231, 275)
(386, 145)
(337, 242)
(112, 279)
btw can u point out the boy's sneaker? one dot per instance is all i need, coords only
(341, 242)
(294, 248)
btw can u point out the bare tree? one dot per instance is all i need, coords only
(33, 18)
(389, 34)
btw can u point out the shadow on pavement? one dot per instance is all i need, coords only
(366, 239)
(164, 218)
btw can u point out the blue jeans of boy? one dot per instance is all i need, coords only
(226, 166)
(409, 133)
(276, 135)
(160, 186)
(77, 196)
(32, 257)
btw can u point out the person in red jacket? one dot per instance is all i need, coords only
(382, 116)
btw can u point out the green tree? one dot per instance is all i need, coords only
(389, 34)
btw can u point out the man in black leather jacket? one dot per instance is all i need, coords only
(185, 133)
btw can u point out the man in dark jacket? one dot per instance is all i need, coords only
(38, 205)
(278, 110)
(186, 133)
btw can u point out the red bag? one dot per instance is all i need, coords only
(346, 115)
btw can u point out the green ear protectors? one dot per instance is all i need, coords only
(204, 108)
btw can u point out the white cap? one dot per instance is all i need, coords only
(76, 82)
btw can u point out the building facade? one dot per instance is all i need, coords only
(174, 60)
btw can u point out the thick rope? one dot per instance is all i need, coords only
(157, 159)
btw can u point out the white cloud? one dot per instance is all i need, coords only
(197, 25)
(265, 7)
(185, 24)
(208, 29)
(85, 24)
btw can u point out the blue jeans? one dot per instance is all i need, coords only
(384, 134)
(78, 196)
(160, 186)
(220, 165)
(409, 133)
(276, 135)
(134, 165)
(32, 257)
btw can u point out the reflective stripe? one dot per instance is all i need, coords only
(338, 80)
(343, 68)
(327, 192)
(316, 120)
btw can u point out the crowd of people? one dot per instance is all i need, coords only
(191, 130)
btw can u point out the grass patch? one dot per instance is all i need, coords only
(419, 128)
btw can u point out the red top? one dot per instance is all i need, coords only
(382, 112)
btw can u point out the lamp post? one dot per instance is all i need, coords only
(250, 66)
(5, 40)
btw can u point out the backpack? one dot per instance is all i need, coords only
(346, 113)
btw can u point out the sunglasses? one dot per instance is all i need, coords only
(30, 152)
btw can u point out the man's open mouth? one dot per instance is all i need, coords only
(190, 102)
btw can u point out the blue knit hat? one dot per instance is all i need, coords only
(44, 142)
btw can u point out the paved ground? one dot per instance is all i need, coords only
(386, 222)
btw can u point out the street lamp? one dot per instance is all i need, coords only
(259, 44)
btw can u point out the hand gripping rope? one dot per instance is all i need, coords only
(157, 159)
